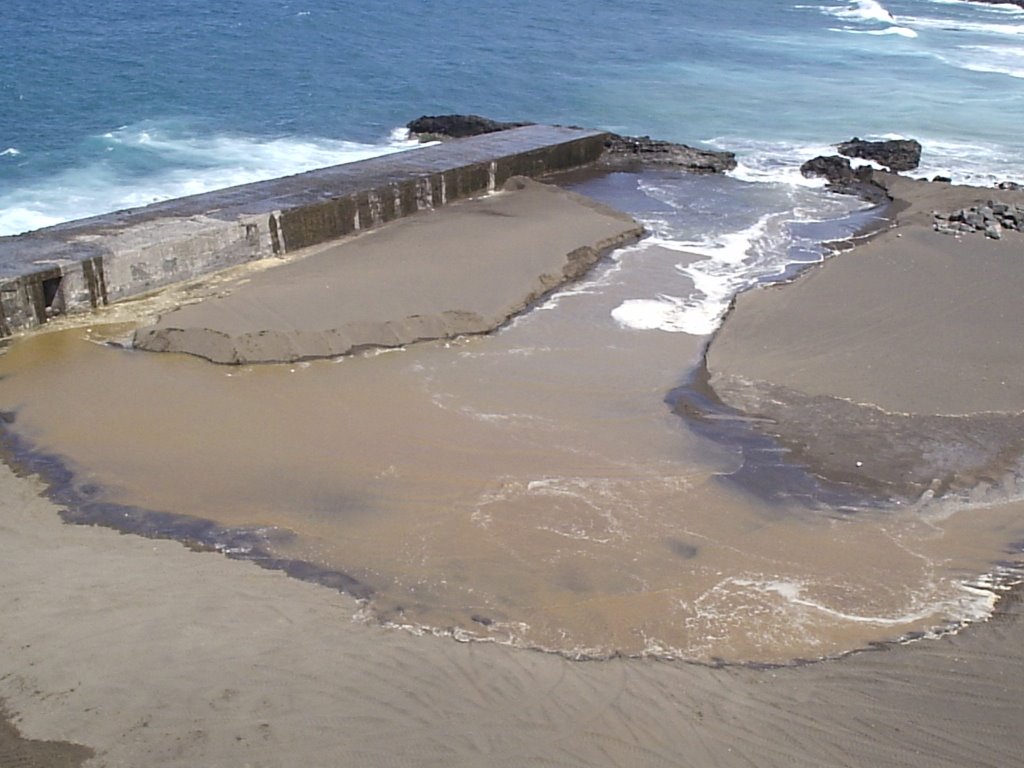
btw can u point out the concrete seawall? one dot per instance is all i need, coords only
(80, 265)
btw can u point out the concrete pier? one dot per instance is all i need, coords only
(80, 265)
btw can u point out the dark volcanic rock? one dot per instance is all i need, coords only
(625, 150)
(894, 154)
(992, 218)
(842, 177)
(619, 150)
(835, 169)
(433, 127)
(1018, 3)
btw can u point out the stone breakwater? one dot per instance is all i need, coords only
(621, 152)
(81, 265)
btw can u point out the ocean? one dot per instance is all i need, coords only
(439, 471)
(105, 108)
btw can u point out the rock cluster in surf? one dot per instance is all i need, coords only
(619, 150)
(440, 127)
(624, 150)
(991, 218)
(895, 155)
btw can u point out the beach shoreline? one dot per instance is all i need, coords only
(168, 656)
(910, 333)
(172, 657)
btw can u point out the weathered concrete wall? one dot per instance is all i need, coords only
(80, 265)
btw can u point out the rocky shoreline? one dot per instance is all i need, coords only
(620, 151)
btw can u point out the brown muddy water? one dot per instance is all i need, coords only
(531, 486)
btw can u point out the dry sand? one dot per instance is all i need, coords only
(896, 367)
(478, 263)
(913, 321)
(150, 654)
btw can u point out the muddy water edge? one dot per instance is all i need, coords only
(530, 486)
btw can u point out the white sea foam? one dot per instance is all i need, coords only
(731, 262)
(966, 602)
(181, 164)
(974, 6)
(861, 10)
(901, 31)
(720, 263)
(995, 59)
(969, 163)
(964, 25)
(10, 152)
(772, 161)
(981, 163)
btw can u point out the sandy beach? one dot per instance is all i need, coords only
(907, 347)
(145, 652)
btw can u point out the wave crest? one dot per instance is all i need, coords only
(139, 164)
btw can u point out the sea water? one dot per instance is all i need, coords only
(102, 107)
(531, 487)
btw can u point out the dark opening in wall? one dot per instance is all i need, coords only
(51, 289)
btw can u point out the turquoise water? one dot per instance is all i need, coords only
(103, 106)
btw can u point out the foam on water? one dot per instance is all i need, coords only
(964, 603)
(978, 163)
(731, 261)
(860, 10)
(968, 162)
(724, 262)
(1007, 8)
(765, 161)
(136, 165)
(994, 59)
(901, 31)
(964, 25)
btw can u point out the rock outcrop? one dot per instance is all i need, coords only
(895, 154)
(845, 179)
(626, 150)
(440, 127)
(619, 150)
(834, 169)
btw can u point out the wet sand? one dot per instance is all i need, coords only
(155, 655)
(570, 491)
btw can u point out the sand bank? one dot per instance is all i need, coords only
(906, 348)
(463, 269)
(151, 654)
